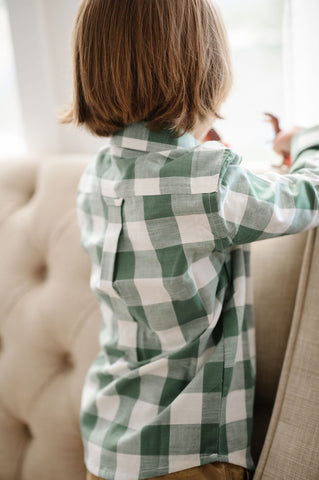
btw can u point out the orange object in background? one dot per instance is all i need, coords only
(212, 135)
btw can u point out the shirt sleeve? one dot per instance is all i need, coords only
(249, 207)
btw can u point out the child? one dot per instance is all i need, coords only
(166, 221)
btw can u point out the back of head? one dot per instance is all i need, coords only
(165, 62)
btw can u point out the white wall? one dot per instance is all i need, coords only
(302, 61)
(41, 31)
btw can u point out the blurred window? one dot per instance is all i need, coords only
(12, 141)
(255, 33)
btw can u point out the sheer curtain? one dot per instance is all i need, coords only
(41, 35)
(301, 60)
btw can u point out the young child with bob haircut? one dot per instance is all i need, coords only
(167, 221)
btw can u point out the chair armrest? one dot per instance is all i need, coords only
(291, 447)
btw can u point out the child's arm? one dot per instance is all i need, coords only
(249, 207)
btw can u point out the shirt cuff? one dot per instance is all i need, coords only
(304, 140)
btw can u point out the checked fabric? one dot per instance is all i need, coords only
(167, 223)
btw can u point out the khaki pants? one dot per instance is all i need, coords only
(211, 471)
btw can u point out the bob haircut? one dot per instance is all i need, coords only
(165, 62)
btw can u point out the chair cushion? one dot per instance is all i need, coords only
(291, 447)
(276, 267)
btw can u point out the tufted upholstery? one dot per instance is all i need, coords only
(49, 322)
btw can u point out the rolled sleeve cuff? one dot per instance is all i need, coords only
(303, 140)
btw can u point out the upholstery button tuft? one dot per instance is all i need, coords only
(30, 194)
(27, 431)
(41, 272)
(67, 361)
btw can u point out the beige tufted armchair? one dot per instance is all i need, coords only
(49, 323)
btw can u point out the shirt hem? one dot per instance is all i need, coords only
(144, 474)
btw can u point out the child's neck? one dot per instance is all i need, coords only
(201, 128)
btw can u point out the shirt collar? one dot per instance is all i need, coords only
(138, 137)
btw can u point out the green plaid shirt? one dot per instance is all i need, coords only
(166, 222)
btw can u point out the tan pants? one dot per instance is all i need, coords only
(211, 471)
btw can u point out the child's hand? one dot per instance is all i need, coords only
(283, 139)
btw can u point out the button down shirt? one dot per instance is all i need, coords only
(167, 223)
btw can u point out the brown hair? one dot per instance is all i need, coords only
(162, 61)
